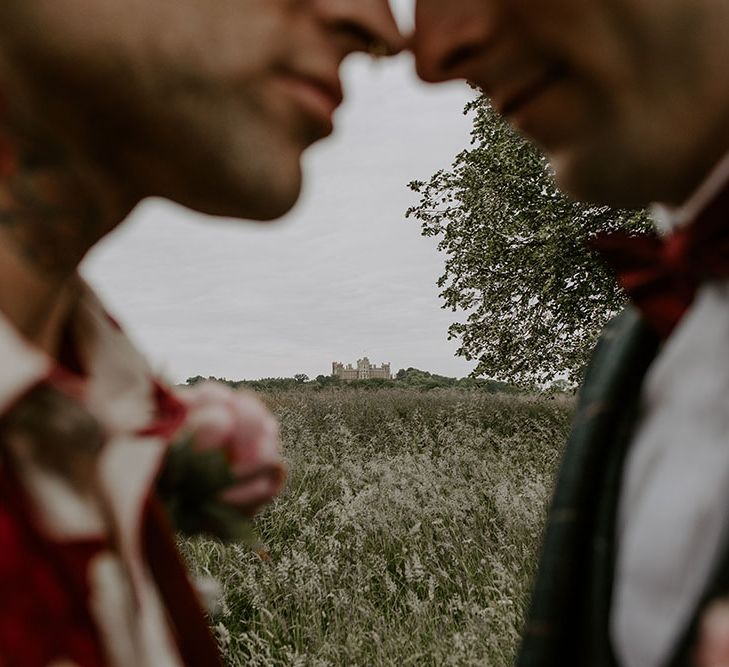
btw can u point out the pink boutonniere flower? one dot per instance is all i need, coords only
(226, 465)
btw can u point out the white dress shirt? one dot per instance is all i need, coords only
(673, 514)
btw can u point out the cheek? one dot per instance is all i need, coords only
(568, 115)
(437, 21)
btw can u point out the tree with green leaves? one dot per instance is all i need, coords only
(533, 297)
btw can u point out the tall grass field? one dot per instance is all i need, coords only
(407, 534)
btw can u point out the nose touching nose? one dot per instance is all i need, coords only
(445, 42)
(368, 24)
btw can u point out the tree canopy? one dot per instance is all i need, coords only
(531, 296)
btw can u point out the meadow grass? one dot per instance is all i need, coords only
(406, 536)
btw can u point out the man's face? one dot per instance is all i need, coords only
(208, 102)
(628, 98)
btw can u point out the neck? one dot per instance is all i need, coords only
(51, 214)
(37, 304)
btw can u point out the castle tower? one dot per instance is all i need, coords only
(364, 370)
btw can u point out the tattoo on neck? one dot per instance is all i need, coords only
(47, 210)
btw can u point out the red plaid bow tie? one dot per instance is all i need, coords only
(661, 276)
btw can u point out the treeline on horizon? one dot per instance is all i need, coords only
(411, 378)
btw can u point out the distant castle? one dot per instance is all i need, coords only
(364, 371)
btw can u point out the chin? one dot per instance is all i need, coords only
(606, 179)
(271, 208)
(263, 198)
(260, 208)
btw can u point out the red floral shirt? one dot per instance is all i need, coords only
(69, 594)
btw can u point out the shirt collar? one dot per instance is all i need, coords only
(118, 390)
(23, 365)
(668, 218)
(137, 415)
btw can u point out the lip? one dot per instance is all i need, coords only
(512, 103)
(318, 97)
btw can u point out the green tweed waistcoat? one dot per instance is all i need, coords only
(567, 623)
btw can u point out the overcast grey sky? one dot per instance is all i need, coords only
(344, 275)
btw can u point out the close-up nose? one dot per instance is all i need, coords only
(446, 44)
(365, 25)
